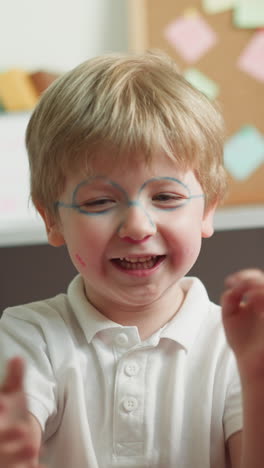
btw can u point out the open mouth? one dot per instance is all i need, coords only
(139, 263)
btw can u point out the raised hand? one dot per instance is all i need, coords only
(18, 445)
(243, 318)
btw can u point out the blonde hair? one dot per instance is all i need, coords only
(129, 103)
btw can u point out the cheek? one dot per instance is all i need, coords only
(82, 257)
(185, 254)
(86, 245)
(80, 261)
(185, 240)
(188, 250)
(192, 253)
(191, 250)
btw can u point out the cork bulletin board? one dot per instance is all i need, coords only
(233, 62)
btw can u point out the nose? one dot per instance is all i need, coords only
(137, 224)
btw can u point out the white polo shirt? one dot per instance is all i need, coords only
(105, 399)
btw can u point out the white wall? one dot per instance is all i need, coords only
(58, 34)
(52, 35)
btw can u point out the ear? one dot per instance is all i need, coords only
(53, 228)
(208, 221)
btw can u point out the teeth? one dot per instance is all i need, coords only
(137, 260)
(138, 265)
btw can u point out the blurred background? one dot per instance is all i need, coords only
(219, 48)
(59, 34)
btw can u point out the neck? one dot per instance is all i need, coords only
(148, 318)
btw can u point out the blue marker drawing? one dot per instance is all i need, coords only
(127, 202)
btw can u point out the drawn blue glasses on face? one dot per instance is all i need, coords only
(98, 196)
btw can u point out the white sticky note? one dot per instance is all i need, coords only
(217, 6)
(249, 14)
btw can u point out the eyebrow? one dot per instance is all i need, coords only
(121, 189)
(92, 179)
(157, 179)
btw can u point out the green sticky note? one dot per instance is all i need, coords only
(217, 6)
(2, 109)
(249, 14)
(244, 152)
(202, 82)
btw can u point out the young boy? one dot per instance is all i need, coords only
(131, 367)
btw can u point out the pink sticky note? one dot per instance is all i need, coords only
(251, 60)
(191, 36)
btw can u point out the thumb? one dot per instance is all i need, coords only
(15, 374)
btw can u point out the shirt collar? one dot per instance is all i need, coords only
(182, 329)
(89, 318)
(186, 324)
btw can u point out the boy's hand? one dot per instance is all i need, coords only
(243, 318)
(17, 448)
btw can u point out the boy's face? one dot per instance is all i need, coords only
(132, 231)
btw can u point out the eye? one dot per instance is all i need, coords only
(168, 200)
(97, 205)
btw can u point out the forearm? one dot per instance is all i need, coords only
(252, 455)
(243, 319)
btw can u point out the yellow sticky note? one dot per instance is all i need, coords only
(190, 12)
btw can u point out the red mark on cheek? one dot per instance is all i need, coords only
(80, 260)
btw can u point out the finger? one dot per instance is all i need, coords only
(242, 298)
(249, 286)
(14, 378)
(24, 452)
(254, 298)
(239, 286)
(12, 434)
(13, 410)
(244, 275)
(230, 301)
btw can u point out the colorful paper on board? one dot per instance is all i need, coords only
(244, 152)
(202, 82)
(191, 36)
(217, 6)
(2, 109)
(249, 14)
(251, 60)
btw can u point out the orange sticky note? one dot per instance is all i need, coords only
(17, 92)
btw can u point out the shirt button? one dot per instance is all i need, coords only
(131, 369)
(121, 339)
(130, 404)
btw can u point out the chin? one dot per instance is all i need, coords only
(142, 296)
